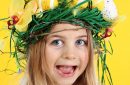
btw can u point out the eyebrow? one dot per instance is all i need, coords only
(82, 36)
(51, 36)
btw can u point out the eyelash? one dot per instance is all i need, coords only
(56, 42)
(85, 42)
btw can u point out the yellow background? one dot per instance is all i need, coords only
(119, 62)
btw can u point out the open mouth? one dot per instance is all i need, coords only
(66, 70)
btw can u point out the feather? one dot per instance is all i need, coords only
(109, 12)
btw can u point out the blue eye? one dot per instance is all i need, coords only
(81, 42)
(57, 42)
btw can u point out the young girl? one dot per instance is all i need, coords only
(57, 38)
(64, 57)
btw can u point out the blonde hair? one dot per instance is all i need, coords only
(37, 67)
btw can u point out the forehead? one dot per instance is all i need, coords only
(68, 29)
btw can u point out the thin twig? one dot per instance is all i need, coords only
(76, 29)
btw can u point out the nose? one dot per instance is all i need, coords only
(69, 52)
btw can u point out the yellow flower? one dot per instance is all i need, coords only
(99, 34)
(22, 12)
(47, 4)
(75, 2)
(1, 44)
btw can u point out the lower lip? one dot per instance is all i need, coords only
(64, 75)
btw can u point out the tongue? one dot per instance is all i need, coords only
(66, 69)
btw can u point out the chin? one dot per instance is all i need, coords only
(65, 81)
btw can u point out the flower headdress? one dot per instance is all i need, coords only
(30, 20)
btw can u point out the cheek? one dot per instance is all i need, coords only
(84, 59)
(51, 56)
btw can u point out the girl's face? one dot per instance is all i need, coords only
(66, 53)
